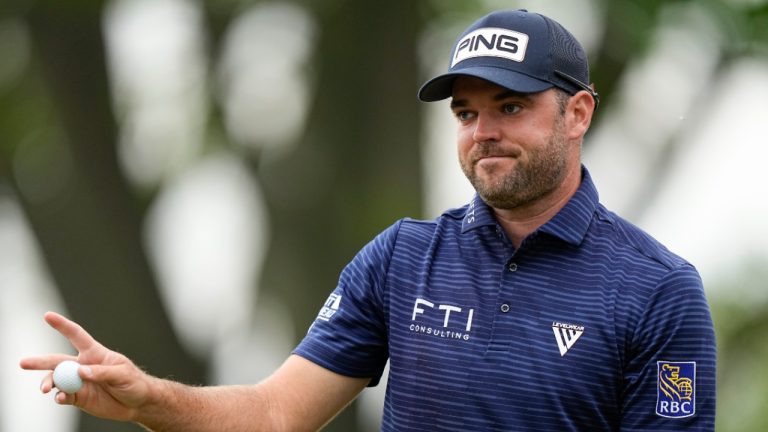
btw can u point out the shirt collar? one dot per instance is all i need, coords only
(478, 214)
(569, 224)
(572, 221)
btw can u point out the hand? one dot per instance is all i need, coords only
(113, 387)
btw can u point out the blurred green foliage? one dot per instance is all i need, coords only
(740, 313)
(58, 139)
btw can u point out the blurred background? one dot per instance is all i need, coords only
(187, 178)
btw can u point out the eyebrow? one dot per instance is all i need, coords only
(507, 94)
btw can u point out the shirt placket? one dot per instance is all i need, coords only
(504, 310)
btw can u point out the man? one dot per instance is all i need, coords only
(532, 308)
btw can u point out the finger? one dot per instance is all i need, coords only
(47, 384)
(64, 399)
(48, 362)
(77, 336)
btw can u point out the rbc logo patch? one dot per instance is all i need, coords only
(676, 389)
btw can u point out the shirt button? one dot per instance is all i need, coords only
(505, 308)
(512, 267)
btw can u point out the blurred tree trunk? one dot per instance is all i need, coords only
(357, 168)
(80, 208)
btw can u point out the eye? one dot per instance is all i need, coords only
(511, 108)
(464, 116)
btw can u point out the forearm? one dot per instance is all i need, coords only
(300, 395)
(173, 406)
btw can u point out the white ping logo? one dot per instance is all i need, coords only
(491, 42)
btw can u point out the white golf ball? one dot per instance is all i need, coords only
(65, 377)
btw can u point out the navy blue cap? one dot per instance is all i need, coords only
(518, 50)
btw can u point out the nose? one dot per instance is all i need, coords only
(487, 128)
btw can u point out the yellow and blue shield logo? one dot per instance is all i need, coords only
(676, 389)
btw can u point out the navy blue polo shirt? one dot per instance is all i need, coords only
(590, 325)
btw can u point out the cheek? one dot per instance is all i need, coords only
(463, 148)
(464, 140)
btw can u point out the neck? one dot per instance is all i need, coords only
(519, 222)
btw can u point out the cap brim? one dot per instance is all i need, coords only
(441, 86)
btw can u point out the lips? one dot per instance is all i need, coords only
(491, 150)
(494, 156)
(490, 159)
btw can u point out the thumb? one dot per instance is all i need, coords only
(85, 372)
(110, 375)
(124, 382)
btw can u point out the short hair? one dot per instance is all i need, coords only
(562, 98)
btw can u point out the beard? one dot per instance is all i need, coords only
(528, 181)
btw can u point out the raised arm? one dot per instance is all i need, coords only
(300, 395)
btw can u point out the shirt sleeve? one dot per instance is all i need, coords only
(349, 335)
(669, 376)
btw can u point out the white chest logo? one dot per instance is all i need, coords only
(566, 335)
(456, 321)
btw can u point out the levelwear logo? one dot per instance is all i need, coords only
(566, 335)
(491, 42)
(676, 389)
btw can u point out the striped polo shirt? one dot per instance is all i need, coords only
(590, 325)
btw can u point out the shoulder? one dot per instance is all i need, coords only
(409, 238)
(633, 243)
(451, 218)
(411, 234)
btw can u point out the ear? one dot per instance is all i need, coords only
(578, 114)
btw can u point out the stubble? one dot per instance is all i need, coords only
(529, 180)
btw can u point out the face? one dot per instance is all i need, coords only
(512, 146)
